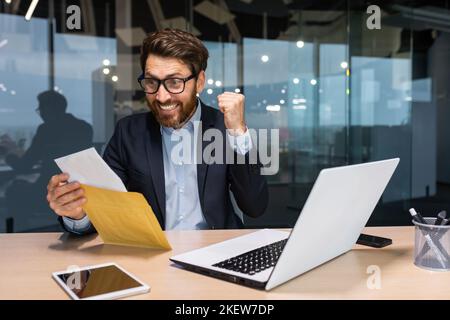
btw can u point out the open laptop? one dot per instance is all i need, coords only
(336, 211)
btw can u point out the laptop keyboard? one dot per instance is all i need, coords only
(254, 261)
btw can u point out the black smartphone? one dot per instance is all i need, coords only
(373, 241)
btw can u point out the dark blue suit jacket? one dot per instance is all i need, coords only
(135, 154)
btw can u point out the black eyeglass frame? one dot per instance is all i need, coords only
(163, 81)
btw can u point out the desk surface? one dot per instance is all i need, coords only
(27, 261)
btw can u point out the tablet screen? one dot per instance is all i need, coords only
(96, 281)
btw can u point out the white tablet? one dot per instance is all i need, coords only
(99, 282)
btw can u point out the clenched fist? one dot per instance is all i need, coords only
(232, 106)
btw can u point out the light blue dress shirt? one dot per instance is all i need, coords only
(183, 209)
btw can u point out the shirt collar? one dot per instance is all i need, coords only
(190, 124)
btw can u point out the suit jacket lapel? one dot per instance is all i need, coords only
(207, 121)
(156, 163)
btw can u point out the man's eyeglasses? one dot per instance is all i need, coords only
(172, 85)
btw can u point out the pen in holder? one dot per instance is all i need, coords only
(432, 245)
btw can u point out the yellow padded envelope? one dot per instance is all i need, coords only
(123, 218)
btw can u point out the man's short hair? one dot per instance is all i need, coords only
(52, 99)
(175, 43)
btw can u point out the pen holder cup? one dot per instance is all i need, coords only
(432, 246)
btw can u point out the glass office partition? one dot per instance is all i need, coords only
(24, 67)
(344, 82)
(380, 105)
(57, 98)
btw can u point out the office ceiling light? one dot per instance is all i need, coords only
(106, 70)
(106, 62)
(313, 82)
(209, 91)
(344, 64)
(115, 78)
(210, 81)
(237, 90)
(265, 58)
(296, 80)
(30, 10)
(300, 44)
(218, 83)
(8, 1)
(298, 101)
(13, 92)
(282, 101)
(273, 108)
(214, 12)
(299, 107)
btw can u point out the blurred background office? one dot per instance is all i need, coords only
(341, 85)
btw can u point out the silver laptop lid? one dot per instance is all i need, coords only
(337, 209)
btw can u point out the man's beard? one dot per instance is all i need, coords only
(184, 113)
